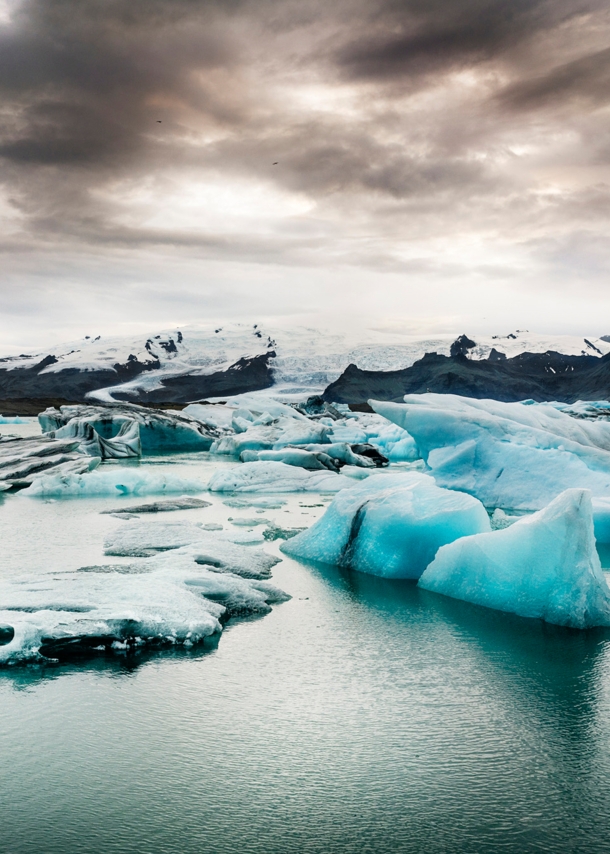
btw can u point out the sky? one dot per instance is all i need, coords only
(415, 166)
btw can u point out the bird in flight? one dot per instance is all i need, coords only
(159, 121)
(275, 164)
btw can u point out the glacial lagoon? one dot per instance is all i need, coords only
(362, 715)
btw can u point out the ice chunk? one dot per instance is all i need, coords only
(184, 503)
(113, 480)
(506, 454)
(252, 501)
(176, 598)
(248, 439)
(273, 477)
(24, 460)
(545, 566)
(390, 526)
(293, 457)
(363, 454)
(214, 415)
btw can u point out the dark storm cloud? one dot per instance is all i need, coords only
(411, 38)
(84, 82)
(586, 79)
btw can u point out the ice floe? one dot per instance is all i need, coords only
(183, 503)
(113, 480)
(25, 460)
(544, 565)
(179, 595)
(390, 526)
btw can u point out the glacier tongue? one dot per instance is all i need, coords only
(390, 525)
(544, 565)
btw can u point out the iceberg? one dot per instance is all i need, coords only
(544, 566)
(390, 525)
(508, 455)
(125, 444)
(171, 504)
(272, 477)
(293, 457)
(160, 432)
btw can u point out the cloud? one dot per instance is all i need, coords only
(435, 140)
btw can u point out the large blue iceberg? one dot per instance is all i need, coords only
(508, 455)
(545, 566)
(389, 525)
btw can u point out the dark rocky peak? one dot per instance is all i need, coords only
(496, 356)
(44, 363)
(461, 346)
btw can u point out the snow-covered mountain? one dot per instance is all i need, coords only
(296, 361)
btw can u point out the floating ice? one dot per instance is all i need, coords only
(160, 431)
(175, 598)
(141, 539)
(125, 444)
(183, 503)
(506, 454)
(293, 457)
(24, 460)
(390, 526)
(113, 480)
(545, 566)
(275, 477)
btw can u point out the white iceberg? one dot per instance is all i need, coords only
(391, 526)
(544, 565)
(160, 431)
(271, 477)
(293, 457)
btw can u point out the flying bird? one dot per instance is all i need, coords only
(275, 164)
(159, 121)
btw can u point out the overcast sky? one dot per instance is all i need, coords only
(417, 165)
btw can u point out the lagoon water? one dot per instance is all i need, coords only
(361, 716)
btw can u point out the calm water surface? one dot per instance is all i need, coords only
(361, 716)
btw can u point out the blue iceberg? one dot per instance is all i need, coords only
(389, 525)
(544, 565)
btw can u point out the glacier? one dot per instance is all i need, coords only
(543, 566)
(390, 525)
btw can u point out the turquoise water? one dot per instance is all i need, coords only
(361, 716)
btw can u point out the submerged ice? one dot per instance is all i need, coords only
(544, 565)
